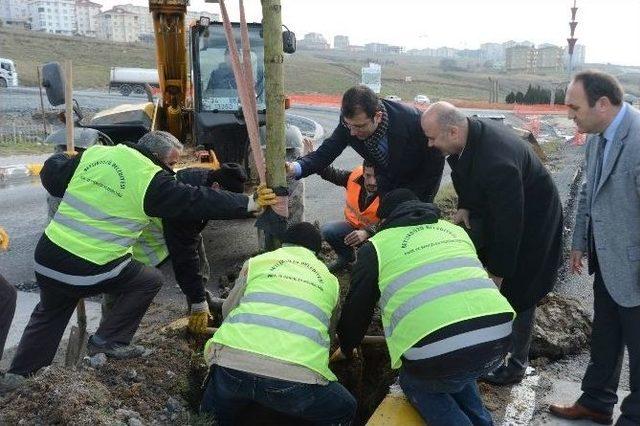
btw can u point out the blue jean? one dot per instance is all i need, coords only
(334, 233)
(229, 391)
(450, 401)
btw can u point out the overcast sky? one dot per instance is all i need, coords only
(610, 29)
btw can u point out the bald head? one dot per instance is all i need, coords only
(445, 128)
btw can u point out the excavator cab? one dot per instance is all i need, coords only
(218, 121)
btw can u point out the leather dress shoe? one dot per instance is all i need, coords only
(580, 412)
(503, 375)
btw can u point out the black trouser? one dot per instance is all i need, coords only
(136, 287)
(614, 327)
(8, 297)
(521, 338)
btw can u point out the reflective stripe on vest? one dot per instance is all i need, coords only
(101, 214)
(460, 341)
(79, 279)
(282, 325)
(285, 310)
(430, 278)
(353, 215)
(150, 248)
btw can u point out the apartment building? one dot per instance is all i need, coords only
(86, 17)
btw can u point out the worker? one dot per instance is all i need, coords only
(361, 205)
(8, 297)
(222, 78)
(181, 242)
(273, 345)
(385, 133)
(510, 205)
(109, 194)
(444, 320)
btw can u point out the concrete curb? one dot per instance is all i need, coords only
(17, 173)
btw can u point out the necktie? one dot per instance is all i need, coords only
(602, 143)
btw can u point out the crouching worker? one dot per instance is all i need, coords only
(273, 346)
(445, 321)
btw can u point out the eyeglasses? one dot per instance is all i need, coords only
(357, 126)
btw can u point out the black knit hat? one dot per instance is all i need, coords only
(393, 199)
(304, 234)
(231, 177)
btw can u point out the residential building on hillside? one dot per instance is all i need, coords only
(382, 48)
(549, 57)
(492, 52)
(144, 21)
(117, 24)
(52, 16)
(86, 17)
(313, 41)
(520, 58)
(341, 42)
(195, 16)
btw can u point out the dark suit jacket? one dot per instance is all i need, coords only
(412, 164)
(516, 205)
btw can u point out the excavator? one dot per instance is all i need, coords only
(198, 101)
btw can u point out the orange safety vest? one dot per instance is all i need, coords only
(359, 219)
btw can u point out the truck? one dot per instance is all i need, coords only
(8, 73)
(132, 80)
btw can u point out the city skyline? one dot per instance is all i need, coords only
(456, 23)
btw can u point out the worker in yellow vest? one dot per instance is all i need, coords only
(109, 194)
(444, 319)
(361, 205)
(273, 345)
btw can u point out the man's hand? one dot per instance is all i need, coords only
(199, 318)
(497, 280)
(357, 237)
(339, 356)
(307, 146)
(575, 261)
(462, 216)
(264, 196)
(4, 239)
(289, 169)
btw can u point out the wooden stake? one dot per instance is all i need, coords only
(68, 99)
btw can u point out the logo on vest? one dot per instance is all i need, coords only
(407, 240)
(273, 273)
(122, 181)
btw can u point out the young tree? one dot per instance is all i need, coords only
(511, 98)
(519, 97)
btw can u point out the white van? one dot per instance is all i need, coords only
(8, 73)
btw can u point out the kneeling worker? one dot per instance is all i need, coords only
(273, 346)
(445, 321)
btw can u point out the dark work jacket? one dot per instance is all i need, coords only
(364, 293)
(165, 198)
(515, 208)
(412, 164)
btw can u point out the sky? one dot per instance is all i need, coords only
(610, 29)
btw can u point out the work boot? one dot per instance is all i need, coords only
(10, 382)
(339, 265)
(114, 350)
(506, 374)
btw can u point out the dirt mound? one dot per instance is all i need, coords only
(162, 387)
(562, 327)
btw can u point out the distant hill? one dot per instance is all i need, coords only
(329, 72)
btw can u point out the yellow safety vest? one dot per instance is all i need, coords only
(285, 310)
(429, 278)
(101, 214)
(151, 248)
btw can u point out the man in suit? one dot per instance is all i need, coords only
(510, 206)
(385, 133)
(606, 228)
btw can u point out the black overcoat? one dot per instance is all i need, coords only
(515, 209)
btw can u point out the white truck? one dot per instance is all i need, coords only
(8, 73)
(132, 80)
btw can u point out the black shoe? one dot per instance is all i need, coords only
(504, 375)
(114, 350)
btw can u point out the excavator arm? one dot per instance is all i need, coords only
(171, 56)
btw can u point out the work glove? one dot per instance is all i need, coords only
(199, 318)
(264, 196)
(4, 240)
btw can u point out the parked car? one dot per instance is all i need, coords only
(8, 73)
(421, 99)
(393, 98)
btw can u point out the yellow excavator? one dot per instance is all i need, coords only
(198, 101)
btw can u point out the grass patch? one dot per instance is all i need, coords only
(447, 201)
(13, 148)
(552, 147)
